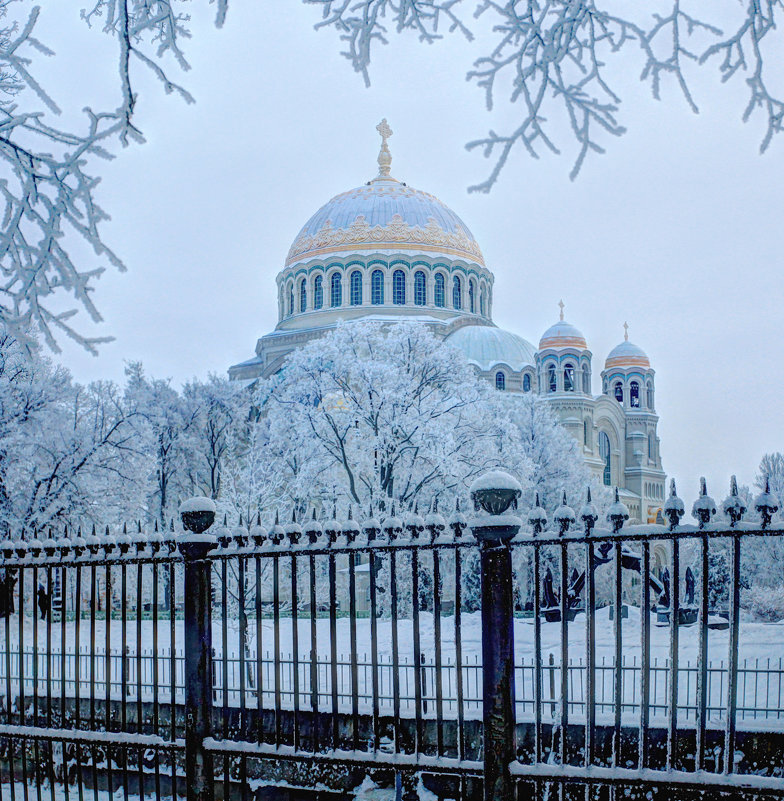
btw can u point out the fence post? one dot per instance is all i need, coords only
(493, 494)
(198, 514)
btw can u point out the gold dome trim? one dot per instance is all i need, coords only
(360, 235)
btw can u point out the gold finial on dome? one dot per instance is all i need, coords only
(384, 156)
(626, 332)
(561, 304)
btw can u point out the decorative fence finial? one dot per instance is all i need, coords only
(564, 515)
(618, 513)
(589, 514)
(704, 507)
(734, 507)
(766, 504)
(537, 517)
(674, 509)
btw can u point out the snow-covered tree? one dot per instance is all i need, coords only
(162, 420)
(564, 62)
(217, 406)
(66, 452)
(771, 469)
(388, 411)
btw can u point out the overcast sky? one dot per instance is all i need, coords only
(677, 229)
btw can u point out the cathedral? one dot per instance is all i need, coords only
(386, 251)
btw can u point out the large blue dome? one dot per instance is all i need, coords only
(381, 215)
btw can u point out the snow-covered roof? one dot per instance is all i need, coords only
(627, 354)
(381, 214)
(486, 346)
(563, 335)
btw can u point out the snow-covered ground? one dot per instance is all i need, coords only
(761, 659)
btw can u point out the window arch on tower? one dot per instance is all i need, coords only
(399, 288)
(604, 452)
(355, 294)
(650, 446)
(634, 395)
(586, 434)
(649, 392)
(471, 297)
(335, 290)
(457, 293)
(439, 295)
(552, 384)
(568, 378)
(291, 298)
(618, 391)
(500, 380)
(420, 288)
(482, 301)
(586, 380)
(303, 295)
(527, 382)
(377, 288)
(318, 292)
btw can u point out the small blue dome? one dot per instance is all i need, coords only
(486, 346)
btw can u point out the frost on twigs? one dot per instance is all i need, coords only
(363, 23)
(51, 171)
(565, 59)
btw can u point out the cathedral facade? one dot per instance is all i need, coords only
(385, 251)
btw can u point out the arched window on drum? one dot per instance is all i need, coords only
(318, 292)
(356, 288)
(377, 288)
(568, 378)
(586, 380)
(618, 391)
(420, 288)
(500, 381)
(439, 294)
(649, 390)
(527, 382)
(457, 293)
(551, 379)
(471, 297)
(634, 395)
(303, 295)
(336, 290)
(604, 452)
(291, 298)
(482, 302)
(399, 288)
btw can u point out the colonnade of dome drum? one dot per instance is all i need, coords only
(454, 288)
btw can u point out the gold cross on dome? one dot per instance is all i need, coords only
(626, 332)
(384, 156)
(561, 304)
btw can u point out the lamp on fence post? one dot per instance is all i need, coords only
(198, 514)
(493, 495)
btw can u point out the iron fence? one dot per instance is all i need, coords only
(760, 682)
(172, 664)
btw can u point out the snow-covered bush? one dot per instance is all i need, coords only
(765, 603)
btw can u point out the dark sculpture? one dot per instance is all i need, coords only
(549, 598)
(689, 587)
(664, 597)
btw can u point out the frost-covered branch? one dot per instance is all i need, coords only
(562, 60)
(363, 23)
(50, 172)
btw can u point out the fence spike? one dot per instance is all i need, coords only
(618, 513)
(704, 507)
(564, 515)
(589, 514)
(734, 507)
(765, 504)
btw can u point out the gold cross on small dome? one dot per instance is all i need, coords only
(561, 304)
(626, 332)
